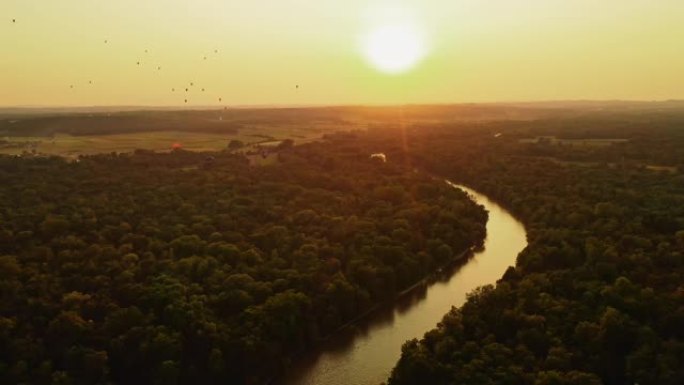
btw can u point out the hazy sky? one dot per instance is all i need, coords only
(475, 50)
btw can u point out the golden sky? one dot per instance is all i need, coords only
(474, 51)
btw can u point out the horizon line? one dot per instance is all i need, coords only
(331, 105)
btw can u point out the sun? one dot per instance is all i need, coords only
(394, 48)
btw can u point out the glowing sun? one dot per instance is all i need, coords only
(394, 48)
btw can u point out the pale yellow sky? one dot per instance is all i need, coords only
(475, 51)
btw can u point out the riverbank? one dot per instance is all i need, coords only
(368, 351)
(453, 263)
(460, 259)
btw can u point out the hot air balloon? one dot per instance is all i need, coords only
(176, 146)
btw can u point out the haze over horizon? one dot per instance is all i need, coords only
(127, 53)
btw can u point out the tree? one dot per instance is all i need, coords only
(235, 144)
(285, 145)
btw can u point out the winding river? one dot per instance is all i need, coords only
(366, 354)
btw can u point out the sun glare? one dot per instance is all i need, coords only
(394, 48)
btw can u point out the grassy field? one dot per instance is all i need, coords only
(72, 146)
(67, 133)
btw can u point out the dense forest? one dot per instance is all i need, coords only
(187, 267)
(182, 267)
(598, 295)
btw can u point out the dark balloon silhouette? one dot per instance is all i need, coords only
(14, 20)
(159, 68)
(202, 89)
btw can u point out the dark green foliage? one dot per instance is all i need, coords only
(235, 144)
(151, 269)
(597, 297)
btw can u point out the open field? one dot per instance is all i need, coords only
(68, 145)
(74, 145)
(68, 133)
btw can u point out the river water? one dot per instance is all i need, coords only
(366, 354)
